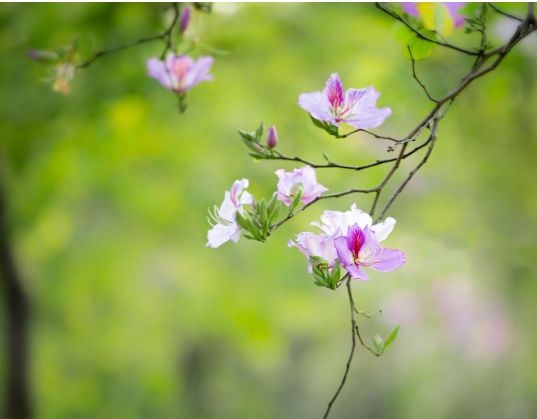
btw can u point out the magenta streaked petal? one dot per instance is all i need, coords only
(333, 91)
(316, 104)
(389, 260)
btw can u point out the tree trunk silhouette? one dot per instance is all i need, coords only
(17, 401)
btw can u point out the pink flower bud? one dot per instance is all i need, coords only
(184, 20)
(272, 137)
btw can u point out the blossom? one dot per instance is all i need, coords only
(356, 107)
(180, 72)
(272, 137)
(303, 179)
(345, 234)
(226, 227)
(361, 248)
(440, 17)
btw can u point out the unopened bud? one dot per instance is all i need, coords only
(42, 55)
(184, 19)
(272, 137)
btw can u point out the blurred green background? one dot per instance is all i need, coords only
(108, 190)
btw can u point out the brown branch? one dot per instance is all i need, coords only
(166, 36)
(396, 16)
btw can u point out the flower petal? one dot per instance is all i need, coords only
(411, 9)
(344, 252)
(221, 233)
(316, 104)
(383, 230)
(199, 72)
(157, 70)
(356, 273)
(389, 260)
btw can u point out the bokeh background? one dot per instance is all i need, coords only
(108, 190)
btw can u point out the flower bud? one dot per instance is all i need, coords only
(42, 55)
(184, 19)
(272, 137)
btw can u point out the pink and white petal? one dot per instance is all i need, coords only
(389, 260)
(316, 104)
(199, 71)
(356, 216)
(370, 118)
(353, 96)
(333, 91)
(383, 230)
(228, 208)
(362, 99)
(157, 70)
(221, 233)
(356, 273)
(343, 250)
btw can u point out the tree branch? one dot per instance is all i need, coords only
(166, 36)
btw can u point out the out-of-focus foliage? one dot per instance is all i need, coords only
(109, 187)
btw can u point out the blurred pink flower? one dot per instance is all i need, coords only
(180, 72)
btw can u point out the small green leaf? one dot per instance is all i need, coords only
(259, 133)
(296, 201)
(391, 338)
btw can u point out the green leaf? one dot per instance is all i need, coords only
(391, 338)
(326, 126)
(259, 133)
(296, 201)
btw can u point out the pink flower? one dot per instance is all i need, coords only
(361, 248)
(289, 184)
(226, 227)
(336, 227)
(180, 72)
(356, 107)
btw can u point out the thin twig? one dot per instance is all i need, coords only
(504, 13)
(351, 354)
(432, 99)
(422, 36)
(166, 35)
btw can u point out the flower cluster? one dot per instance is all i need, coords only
(351, 240)
(240, 212)
(348, 240)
